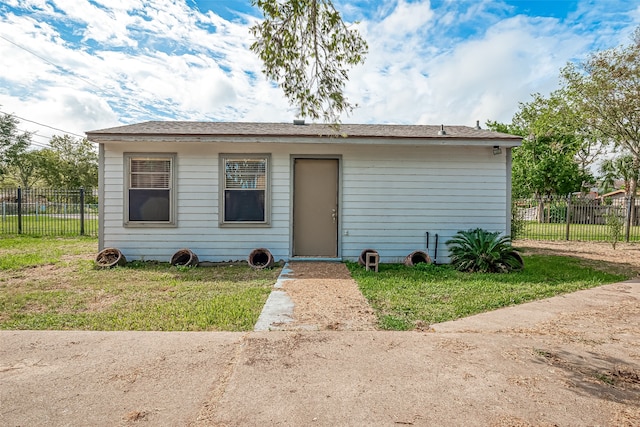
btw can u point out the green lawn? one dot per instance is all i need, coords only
(51, 283)
(404, 297)
(583, 232)
(49, 225)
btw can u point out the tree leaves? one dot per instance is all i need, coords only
(554, 136)
(12, 142)
(606, 89)
(307, 49)
(69, 163)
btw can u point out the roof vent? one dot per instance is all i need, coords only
(298, 122)
(478, 125)
(442, 131)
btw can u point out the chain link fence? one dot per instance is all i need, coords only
(584, 218)
(49, 212)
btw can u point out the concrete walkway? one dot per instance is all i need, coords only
(571, 360)
(278, 309)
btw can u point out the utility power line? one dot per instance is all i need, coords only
(36, 143)
(42, 124)
(32, 134)
(59, 67)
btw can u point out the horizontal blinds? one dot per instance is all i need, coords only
(150, 173)
(245, 174)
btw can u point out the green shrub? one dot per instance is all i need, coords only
(615, 227)
(483, 251)
(517, 221)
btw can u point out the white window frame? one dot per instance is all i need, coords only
(224, 158)
(128, 157)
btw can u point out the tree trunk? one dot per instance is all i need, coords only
(540, 209)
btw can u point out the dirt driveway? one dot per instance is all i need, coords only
(572, 360)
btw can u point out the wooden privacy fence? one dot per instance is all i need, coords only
(576, 218)
(48, 212)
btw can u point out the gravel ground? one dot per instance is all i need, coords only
(624, 259)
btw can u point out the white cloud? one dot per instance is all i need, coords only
(459, 81)
(407, 18)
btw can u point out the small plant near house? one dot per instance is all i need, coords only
(615, 226)
(483, 251)
(518, 223)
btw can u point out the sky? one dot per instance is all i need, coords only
(69, 66)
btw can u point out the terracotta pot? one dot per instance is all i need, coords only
(416, 257)
(110, 257)
(260, 258)
(185, 257)
(363, 256)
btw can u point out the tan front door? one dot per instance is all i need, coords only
(315, 208)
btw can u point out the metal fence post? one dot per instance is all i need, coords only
(628, 219)
(81, 211)
(568, 216)
(19, 210)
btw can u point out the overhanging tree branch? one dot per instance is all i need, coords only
(307, 49)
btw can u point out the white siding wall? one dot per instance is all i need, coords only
(393, 196)
(390, 196)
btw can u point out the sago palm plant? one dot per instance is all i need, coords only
(483, 251)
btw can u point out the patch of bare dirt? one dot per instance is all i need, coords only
(325, 297)
(51, 276)
(625, 259)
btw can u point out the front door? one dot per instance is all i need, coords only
(315, 208)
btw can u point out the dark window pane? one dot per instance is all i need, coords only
(244, 205)
(148, 205)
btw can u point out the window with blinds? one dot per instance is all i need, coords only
(150, 173)
(245, 189)
(150, 186)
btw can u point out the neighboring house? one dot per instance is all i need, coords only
(301, 191)
(618, 198)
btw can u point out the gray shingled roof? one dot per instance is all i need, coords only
(229, 129)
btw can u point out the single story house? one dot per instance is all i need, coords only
(303, 191)
(618, 198)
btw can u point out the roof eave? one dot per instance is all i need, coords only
(301, 139)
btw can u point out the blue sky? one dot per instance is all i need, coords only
(78, 65)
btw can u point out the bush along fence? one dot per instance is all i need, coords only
(48, 212)
(584, 217)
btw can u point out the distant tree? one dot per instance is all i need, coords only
(12, 142)
(69, 163)
(26, 170)
(546, 162)
(504, 128)
(307, 49)
(621, 167)
(606, 90)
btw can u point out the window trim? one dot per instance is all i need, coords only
(223, 157)
(172, 157)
